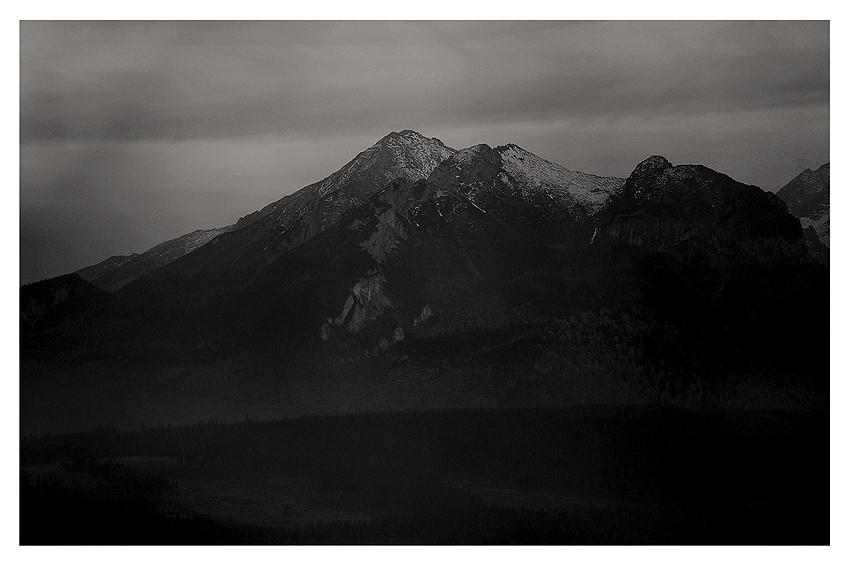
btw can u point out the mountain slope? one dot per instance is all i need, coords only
(259, 238)
(807, 196)
(405, 154)
(294, 218)
(94, 272)
(118, 271)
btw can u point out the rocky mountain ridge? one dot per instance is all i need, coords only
(118, 271)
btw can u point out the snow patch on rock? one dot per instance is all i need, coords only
(535, 175)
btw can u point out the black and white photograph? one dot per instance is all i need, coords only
(424, 282)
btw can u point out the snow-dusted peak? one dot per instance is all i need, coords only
(407, 136)
(465, 156)
(405, 154)
(534, 174)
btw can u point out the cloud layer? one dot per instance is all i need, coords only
(130, 81)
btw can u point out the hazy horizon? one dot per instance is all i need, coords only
(133, 133)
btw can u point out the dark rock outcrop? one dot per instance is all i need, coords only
(687, 211)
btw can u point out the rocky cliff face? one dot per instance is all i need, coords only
(807, 196)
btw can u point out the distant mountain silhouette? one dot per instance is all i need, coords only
(807, 196)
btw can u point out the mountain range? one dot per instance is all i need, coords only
(423, 276)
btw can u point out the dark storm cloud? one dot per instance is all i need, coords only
(128, 81)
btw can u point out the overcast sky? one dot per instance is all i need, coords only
(135, 133)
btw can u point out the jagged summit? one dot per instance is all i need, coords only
(405, 154)
(652, 166)
(408, 136)
(807, 196)
(806, 185)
